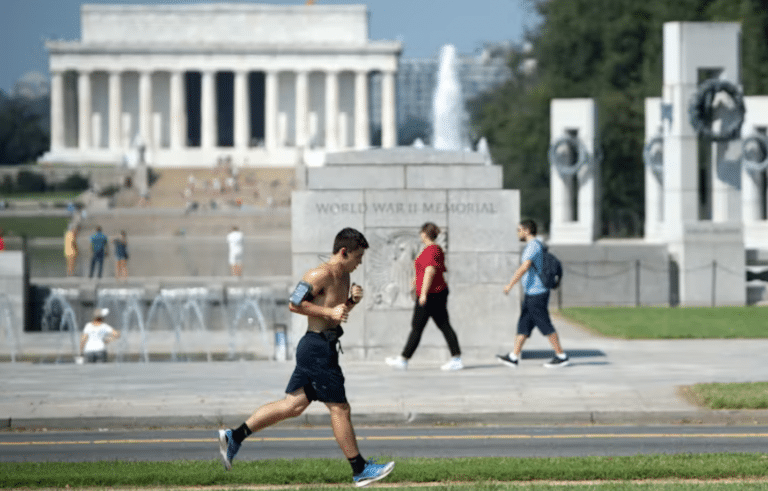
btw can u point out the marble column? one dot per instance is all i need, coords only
(84, 110)
(57, 111)
(242, 110)
(270, 108)
(178, 117)
(388, 125)
(145, 108)
(115, 110)
(331, 110)
(362, 127)
(302, 108)
(208, 118)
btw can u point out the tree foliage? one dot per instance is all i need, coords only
(22, 137)
(609, 50)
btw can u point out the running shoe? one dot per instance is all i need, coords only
(454, 364)
(373, 472)
(558, 362)
(397, 362)
(228, 448)
(506, 360)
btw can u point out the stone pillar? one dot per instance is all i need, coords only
(388, 124)
(145, 108)
(362, 127)
(576, 119)
(177, 116)
(115, 110)
(302, 108)
(208, 126)
(57, 111)
(242, 110)
(270, 108)
(331, 110)
(709, 254)
(84, 110)
(752, 195)
(654, 181)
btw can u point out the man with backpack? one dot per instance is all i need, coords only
(537, 281)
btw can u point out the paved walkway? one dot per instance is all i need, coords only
(609, 382)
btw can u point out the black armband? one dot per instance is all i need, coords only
(303, 291)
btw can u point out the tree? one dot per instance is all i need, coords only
(610, 50)
(22, 138)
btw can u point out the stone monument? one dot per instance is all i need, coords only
(388, 195)
(709, 253)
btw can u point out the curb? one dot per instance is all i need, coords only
(576, 418)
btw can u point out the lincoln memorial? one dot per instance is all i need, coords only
(189, 84)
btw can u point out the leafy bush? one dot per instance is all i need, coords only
(74, 182)
(6, 185)
(29, 182)
(109, 191)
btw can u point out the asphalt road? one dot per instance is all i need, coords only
(474, 441)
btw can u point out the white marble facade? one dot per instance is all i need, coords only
(254, 82)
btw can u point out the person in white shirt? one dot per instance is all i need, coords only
(235, 241)
(96, 335)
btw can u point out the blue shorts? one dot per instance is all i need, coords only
(535, 313)
(317, 369)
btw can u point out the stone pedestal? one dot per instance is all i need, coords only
(711, 262)
(388, 195)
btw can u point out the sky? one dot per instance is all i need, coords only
(422, 26)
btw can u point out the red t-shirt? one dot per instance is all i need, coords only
(431, 256)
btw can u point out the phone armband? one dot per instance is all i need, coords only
(303, 291)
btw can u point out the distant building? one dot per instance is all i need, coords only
(192, 83)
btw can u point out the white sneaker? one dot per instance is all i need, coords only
(454, 364)
(397, 362)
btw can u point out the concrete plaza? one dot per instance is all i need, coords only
(609, 382)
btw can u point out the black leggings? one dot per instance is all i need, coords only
(436, 308)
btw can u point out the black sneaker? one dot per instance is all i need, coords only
(506, 360)
(558, 362)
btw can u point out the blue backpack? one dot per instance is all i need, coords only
(551, 269)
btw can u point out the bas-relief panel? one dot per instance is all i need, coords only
(389, 269)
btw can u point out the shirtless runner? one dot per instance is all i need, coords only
(326, 297)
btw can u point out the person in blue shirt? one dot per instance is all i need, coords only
(534, 310)
(99, 243)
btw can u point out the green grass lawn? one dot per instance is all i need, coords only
(672, 323)
(748, 395)
(686, 323)
(458, 473)
(48, 196)
(35, 226)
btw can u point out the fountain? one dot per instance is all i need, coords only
(449, 117)
(126, 302)
(58, 308)
(248, 301)
(183, 306)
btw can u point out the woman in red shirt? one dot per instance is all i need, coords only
(431, 301)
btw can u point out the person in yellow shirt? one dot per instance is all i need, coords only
(70, 248)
